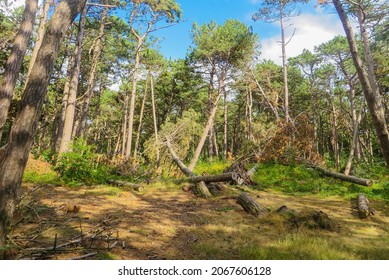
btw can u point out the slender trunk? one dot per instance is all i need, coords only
(71, 103)
(15, 60)
(225, 124)
(334, 141)
(64, 103)
(355, 141)
(207, 127)
(132, 101)
(154, 119)
(23, 131)
(211, 131)
(250, 113)
(284, 69)
(142, 109)
(367, 79)
(97, 47)
(39, 36)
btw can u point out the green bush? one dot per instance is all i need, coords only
(80, 165)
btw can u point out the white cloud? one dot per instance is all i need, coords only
(311, 31)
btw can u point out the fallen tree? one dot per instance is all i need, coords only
(340, 176)
(224, 177)
(347, 178)
(200, 187)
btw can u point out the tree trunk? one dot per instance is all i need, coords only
(284, 68)
(225, 125)
(39, 36)
(64, 104)
(367, 79)
(23, 131)
(207, 126)
(355, 139)
(142, 108)
(15, 60)
(251, 206)
(352, 179)
(224, 177)
(73, 87)
(132, 101)
(97, 47)
(154, 119)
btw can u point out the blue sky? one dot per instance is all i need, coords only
(313, 26)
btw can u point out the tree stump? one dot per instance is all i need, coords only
(202, 190)
(364, 210)
(250, 205)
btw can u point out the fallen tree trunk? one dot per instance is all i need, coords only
(178, 161)
(364, 209)
(224, 177)
(135, 187)
(251, 206)
(352, 179)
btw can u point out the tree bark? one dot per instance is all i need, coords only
(251, 206)
(15, 60)
(135, 187)
(97, 47)
(154, 119)
(367, 79)
(284, 68)
(364, 209)
(142, 108)
(39, 36)
(224, 177)
(23, 131)
(352, 179)
(225, 125)
(73, 87)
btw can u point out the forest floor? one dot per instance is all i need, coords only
(165, 222)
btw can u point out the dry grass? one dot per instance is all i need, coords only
(164, 222)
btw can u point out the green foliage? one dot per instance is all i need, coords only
(81, 165)
(230, 43)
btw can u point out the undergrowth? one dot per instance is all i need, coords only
(299, 179)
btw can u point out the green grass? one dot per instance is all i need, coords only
(302, 180)
(46, 178)
(211, 167)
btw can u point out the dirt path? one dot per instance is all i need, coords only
(164, 222)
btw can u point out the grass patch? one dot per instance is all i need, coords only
(211, 167)
(46, 178)
(302, 180)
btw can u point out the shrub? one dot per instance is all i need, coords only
(81, 165)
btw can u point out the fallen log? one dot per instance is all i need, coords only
(250, 205)
(348, 178)
(364, 210)
(340, 176)
(224, 177)
(135, 187)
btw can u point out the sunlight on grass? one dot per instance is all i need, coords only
(46, 178)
